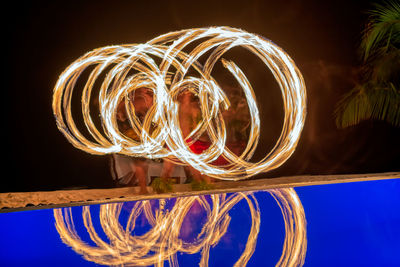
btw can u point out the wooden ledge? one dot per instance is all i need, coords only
(20, 201)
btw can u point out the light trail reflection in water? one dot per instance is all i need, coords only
(163, 241)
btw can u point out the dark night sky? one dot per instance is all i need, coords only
(44, 38)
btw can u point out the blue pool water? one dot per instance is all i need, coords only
(352, 224)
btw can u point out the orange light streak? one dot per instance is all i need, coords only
(169, 78)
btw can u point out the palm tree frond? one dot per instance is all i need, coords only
(386, 69)
(378, 95)
(383, 27)
(369, 102)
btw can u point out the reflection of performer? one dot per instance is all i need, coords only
(170, 229)
(128, 170)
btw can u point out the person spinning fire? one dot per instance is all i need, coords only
(130, 170)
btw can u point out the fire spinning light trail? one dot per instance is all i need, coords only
(126, 68)
(162, 242)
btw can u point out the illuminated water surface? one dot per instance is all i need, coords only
(353, 224)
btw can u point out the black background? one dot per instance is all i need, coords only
(43, 38)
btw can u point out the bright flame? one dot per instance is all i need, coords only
(129, 67)
(162, 242)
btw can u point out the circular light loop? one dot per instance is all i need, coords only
(167, 79)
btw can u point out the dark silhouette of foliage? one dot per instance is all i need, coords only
(377, 96)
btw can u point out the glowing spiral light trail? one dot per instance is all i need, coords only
(162, 242)
(129, 67)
